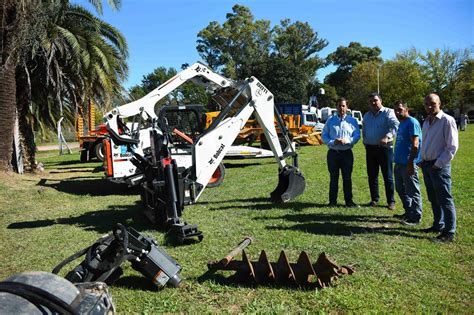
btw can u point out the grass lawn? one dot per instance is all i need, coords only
(46, 217)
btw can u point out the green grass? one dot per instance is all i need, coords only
(46, 217)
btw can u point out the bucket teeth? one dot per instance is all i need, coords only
(303, 273)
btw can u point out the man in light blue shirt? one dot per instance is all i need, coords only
(407, 155)
(380, 127)
(340, 133)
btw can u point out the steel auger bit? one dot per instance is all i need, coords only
(219, 264)
(324, 272)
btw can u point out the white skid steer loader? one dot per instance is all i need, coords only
(174, 173)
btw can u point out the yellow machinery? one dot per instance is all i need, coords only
(90, 142)
(299, 133)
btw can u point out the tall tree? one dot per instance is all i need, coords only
(399, 80)
(21, 21)
(464, 87)
(283, 58)
(294, 61)
(403, 80)
(346, 58)
(361, 83)
(239, 46)
(441, 68)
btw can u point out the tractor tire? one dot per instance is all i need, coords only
(99, 151)
(84, 156)
(218, 177)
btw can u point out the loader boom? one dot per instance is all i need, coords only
(145, 106)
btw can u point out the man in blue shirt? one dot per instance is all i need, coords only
(340, 133)
(380, 126)
(407, 155)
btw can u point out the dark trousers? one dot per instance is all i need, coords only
(343, 161)
(380, 157)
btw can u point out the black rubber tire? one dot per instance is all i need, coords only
(217, 177)
(99, 151)
(84, 156)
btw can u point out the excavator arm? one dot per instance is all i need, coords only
(216, 141)
(145, 106)
(168, 186)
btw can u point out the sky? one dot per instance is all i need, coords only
(164, 32)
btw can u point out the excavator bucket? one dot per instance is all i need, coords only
(291, 183)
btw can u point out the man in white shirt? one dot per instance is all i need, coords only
(440, 143)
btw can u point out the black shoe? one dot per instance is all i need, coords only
(411, 222)
(352, 205)
(332, 204)
(372, 204)
(400, 216)
(443, 238)
(391, 206)
(431, 229)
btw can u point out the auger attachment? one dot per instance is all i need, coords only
(321, 274)
(291, 183)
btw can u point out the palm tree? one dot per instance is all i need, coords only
(20, 22)
(22, 29)
(78, 59)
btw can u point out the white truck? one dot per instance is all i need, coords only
(358, 116)
(175, 172)
(326, 113)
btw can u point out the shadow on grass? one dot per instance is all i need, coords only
(262, 204)
(71, 162)
(93, 187)
(135, 283)
(102, 221)
(325, 217)
(249, 200)
(240, 165)
(72, 170)
(233, 281)
(330, 224)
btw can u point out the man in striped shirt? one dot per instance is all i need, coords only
(440, 143)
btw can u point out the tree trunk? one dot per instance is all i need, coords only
(17, 160)
(7, 115)
(26, 127)
(28, 142)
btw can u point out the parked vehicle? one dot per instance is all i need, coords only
(89, 136)
(326, 113)
(358, 116)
